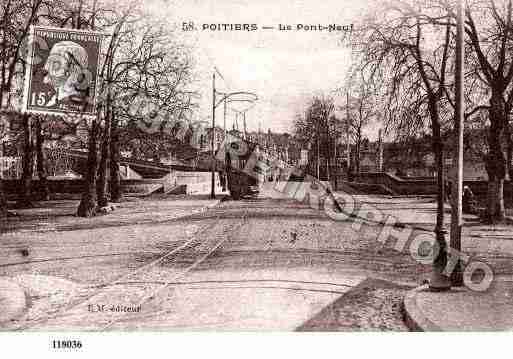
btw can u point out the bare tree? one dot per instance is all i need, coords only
(142, 80)
(88, 203)
(27, 162)
(16, 17)
(411, 55)
(360, 109)
(148, 68)
(315, 131)
(489, 29)
(41, 159)
(108, 110)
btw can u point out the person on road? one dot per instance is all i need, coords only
(469, 201)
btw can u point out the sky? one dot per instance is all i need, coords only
(284, 68)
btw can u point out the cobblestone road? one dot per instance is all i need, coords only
(258, 264)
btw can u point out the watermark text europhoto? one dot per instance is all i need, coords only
(420, 244)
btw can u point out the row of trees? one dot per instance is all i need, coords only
(144, 76)
(403, 77)
(317, 130)
(325, 124)
(410, 49)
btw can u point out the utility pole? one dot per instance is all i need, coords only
(348, 159)
(380, 151)
(457, 190)
(224, 119)
(245, 127)
(440, 280)
(318, 154)
(213, 165)
(328, 152)
(335, 143)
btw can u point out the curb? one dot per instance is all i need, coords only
(13, 301)
(413, 316)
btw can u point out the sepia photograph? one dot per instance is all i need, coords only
(235, 166)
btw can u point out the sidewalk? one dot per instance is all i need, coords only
(458, 309)
(39, 245)
(59, 215)
(46, 233)
(12, 301)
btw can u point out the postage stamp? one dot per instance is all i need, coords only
(62, 70)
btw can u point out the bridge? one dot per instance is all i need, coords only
(147, 169)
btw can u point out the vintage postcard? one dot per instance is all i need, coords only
(255, 166)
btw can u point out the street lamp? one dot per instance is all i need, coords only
(439, 279)
(456, 220)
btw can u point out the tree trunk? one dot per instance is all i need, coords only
(41, 162)
(495, 209)
(88, 203)
(440, 261)
(501, 210)
(115, 178)
(3, 200)
(490, 200)
(496, 161)
(509, 150)
(357, 156)
(440, 193)
(509, 157)
(27, 164)
(103, 199)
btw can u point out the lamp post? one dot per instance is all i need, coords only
(440, 279)
(213, 164)
(318, 168)
(224, 119)
(348, 144)
(456, 220)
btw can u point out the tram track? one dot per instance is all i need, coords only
(202, 255)
(193, 241)
(157, 282)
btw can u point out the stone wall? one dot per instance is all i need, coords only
(399, 185)
(70, 186)
(193, 182)
(424, 186)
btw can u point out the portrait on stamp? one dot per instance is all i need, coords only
(62, 71)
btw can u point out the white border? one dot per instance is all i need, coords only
(258, 345)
